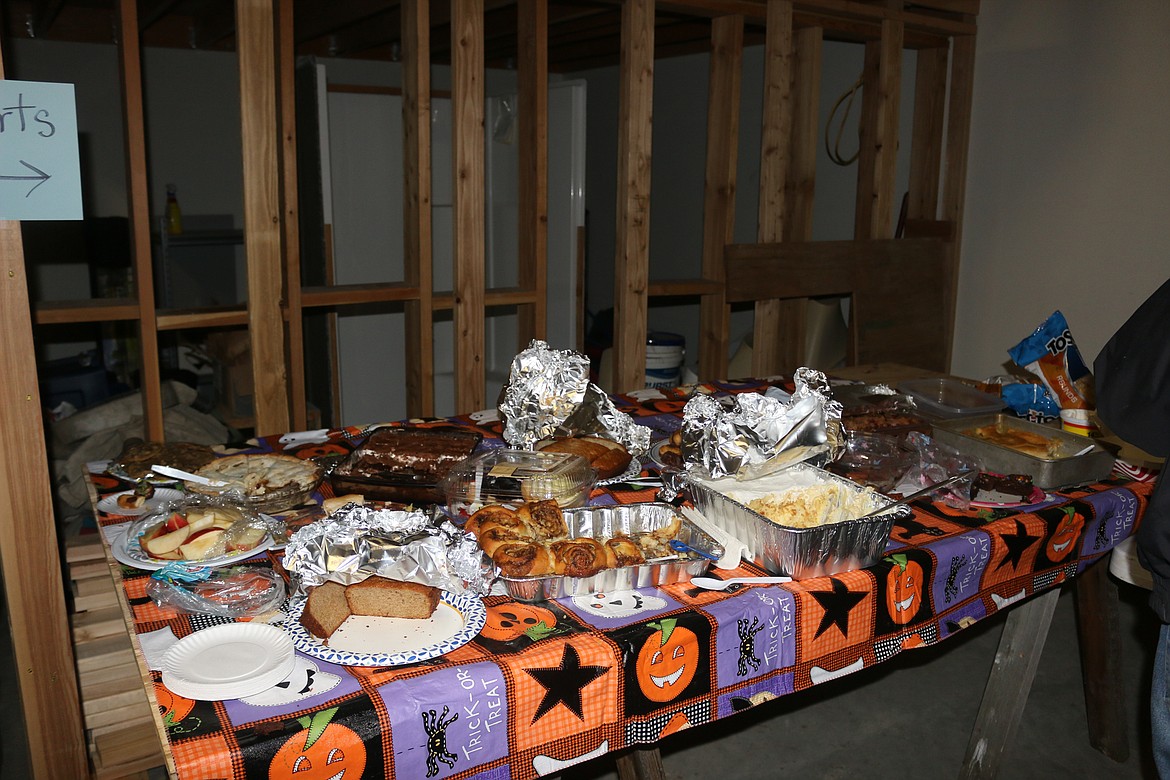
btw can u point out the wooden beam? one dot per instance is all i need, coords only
(255, 23)
(29, 552)
(926, 144)
(532, 75)
(467, 106)
(416, 183)
(877, 163)
(290, 224)
(958, 140)
(134, 127)
(632, 262)
(723, 90)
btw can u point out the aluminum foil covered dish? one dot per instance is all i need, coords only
(751, 435)
(548, 394)
(358, 541)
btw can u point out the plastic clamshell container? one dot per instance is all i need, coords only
(800, 553)
(509, 476)
(604, 522)
(945, 397)
(1066, 467)
(404, 464)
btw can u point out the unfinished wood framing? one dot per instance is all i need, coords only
(532, 106)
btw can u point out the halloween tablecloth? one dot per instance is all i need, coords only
(550, 684)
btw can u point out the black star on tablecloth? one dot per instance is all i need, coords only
(563, 684)
(1016, 544)
(836, 604)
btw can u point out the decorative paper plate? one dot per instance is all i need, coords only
(656, 455)
(228, 661)
(631, 472)
(377, 641)
(128, 552)
(109, 504)
(1037, 497)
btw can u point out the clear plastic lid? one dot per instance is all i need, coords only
(950, 397)
(514, 476)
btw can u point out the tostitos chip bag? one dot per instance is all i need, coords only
(1051, 354)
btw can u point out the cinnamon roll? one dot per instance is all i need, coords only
(523, 559)
(493, 512)
(624, 551)
(580, 557)
(545, 518)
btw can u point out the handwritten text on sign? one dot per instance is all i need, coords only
(40, 170)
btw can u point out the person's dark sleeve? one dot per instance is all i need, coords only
(1132, 376)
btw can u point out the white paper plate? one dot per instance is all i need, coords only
(109, 504)
(375, 641)
(128, 552)
(228, 661)
(631, 472)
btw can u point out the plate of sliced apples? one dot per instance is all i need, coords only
(193, 532)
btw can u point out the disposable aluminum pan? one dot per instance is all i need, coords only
(800, 553)
(604, 522)
(1065, 468)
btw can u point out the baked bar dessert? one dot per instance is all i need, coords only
(1002, 488)
(138, 456)
(607, 457)
(1027, 442)
(383, 597)
(330, 604)
(325, 610)
(404, 464)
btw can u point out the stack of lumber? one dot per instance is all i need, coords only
(120, 728)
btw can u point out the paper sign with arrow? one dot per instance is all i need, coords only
(40, 169)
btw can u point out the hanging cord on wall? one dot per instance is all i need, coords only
(834, 149)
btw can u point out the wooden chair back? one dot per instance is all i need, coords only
(899, 309)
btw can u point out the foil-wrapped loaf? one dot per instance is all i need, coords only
(549, 394)
(358, 541)
(750, 435)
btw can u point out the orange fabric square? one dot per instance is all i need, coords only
(835, 613)
(204, 758)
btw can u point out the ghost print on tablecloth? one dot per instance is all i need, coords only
(614, 609)
(309, 679)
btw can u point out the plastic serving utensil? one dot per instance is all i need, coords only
(167, 471)
(916, 494)
(711, 583)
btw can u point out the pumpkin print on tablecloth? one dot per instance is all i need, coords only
(173, 708)
(1063, 541)
(668, 660)
(513, 619)
(905, 582)
(321, 750)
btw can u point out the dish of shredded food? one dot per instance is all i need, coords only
(814, 505)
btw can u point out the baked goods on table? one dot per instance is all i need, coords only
(607, 457)
(1028, 442)
(330, 604)
(535, 541)
(404, 464)
(1002, 488)
(509, 476)
(670, 451)
(814, 505)
(138, 456)
(268, 482)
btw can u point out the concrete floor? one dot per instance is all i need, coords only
(909, 718)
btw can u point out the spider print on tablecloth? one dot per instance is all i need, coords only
(747, 644)
(436, 728)
(951, 589)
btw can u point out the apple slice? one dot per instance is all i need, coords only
(175, 522)
(200, 520)
(200, 543)
(162, 544)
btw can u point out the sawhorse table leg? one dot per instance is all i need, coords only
(640, 763)
(1099, 631)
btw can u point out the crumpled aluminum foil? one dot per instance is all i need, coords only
(751, 435)
(549, 394)
(358, 541)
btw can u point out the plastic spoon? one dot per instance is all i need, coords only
(711, 583)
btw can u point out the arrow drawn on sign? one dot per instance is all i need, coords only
(41, 177)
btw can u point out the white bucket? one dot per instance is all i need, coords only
(665, 354)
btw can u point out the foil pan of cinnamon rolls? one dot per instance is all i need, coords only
(544, 552)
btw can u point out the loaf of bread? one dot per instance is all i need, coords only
(607, 457)
(331, 603)
(383, 597)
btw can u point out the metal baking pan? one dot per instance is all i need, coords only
(604, 522)
(800, 553)
(1065, 468)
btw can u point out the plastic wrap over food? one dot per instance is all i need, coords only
(358, 541)
(750, 435)
(549, 394)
